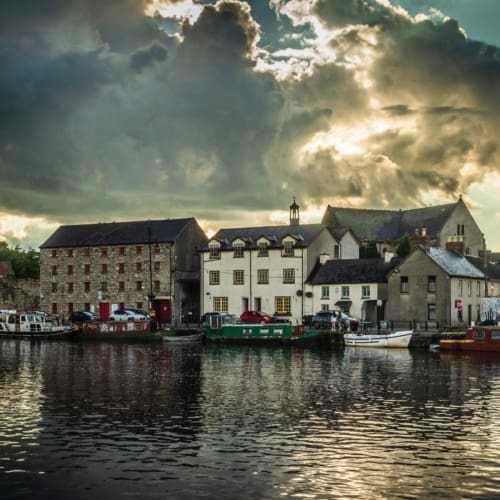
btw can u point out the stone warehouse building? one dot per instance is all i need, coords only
(101, 267)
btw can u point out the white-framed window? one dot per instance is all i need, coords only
(404, 285)
(282, 304)
(460, 288)
(431, 312)
(221, 304)
(469, 288)
(214, 252)
(431, 284)
(365, 292)
(478, 289)
(325, 292)
(263, 276)
(289, 275)
(288, 250)
(214, 277)
(344, 292)
(263, 250)
(238, 251)
(325, 307)
(238, 277)
(336, 251)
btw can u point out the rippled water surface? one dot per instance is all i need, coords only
(113, 420)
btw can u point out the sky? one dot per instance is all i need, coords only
(224, 111)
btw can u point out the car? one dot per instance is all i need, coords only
(79, 317)
(139, 311)
(127, 315)
(334, 320)
(256, 317)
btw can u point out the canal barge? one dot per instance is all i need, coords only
(222, 329)
(32, 326)
(484, 338)
(139, 330)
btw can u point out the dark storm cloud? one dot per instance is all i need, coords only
(144, 57)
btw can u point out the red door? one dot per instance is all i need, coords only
(104, 310)
(164, 311)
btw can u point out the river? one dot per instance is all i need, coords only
(151, 421)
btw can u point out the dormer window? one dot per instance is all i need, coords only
(288, 249)
(214, 252)
(263, 250)
(238, 251)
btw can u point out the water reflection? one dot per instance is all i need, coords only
(191, 421)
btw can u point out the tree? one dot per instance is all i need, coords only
(403, 247)
(26, 263)
(368, 251)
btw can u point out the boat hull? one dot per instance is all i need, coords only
(182, 339)
(395, 339)
(476, 339)
(118, 330)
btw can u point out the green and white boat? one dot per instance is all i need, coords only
(223, 328)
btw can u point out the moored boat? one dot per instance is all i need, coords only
(139, 330)
(285, 333)
(485, 338)
(31, 326)
(394, 339)
(179, 339)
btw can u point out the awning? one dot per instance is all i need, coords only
(343, 303)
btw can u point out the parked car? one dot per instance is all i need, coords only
(225, 319)
(79, 317)
(127, 315)
(139, 311)
(256, 317)
(334, 320)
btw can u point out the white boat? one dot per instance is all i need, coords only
(394, 339)
(31, 325)
(194, 337)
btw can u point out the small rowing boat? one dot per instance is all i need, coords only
(194, 337)
(394, 339)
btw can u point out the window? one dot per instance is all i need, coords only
(70, 287)
(345, 292)
(263, 276)
(104, 286)
(238, 277)
(156, 285)
(53, 253)
(288, 249)
(157, 265)
(336, 251)
(138, 250)
(139, 305)
(70, 269)
(460, 230)
(495, 335)
(70, 307)
(86, 269)
(104, 252)
(138, 286)
(86, 286)
(431, 284)
(238, 251)
(431, 312)
(263, 250)
(469, 288)
(86, 252)
(460, 288)
(289, 275)
(121, 305)
(214, 278)
(121, 250)
(478, 334)
(121, 267)
(403, 284)
(157, 249)
(70, 252)
(86, 306)
(104, 268)
(365, 292)
(54, 307)
(220, 304)
(214, 252)
(325, 292)
(54, 287)
(138, 266)
(121, 286)
(53, 270)
(325, 307)
(478, 289)
(282, 305)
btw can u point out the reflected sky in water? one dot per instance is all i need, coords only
(88, 420)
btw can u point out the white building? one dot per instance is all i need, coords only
(264, 268)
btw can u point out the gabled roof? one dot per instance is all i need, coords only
(388, 225)
(304, 234)
(6, 268)
(117, 233)
(352, 271)
(492, 270)
(452, 263)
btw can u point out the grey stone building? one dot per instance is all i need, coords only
(150, 264)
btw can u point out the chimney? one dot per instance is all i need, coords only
(455, 244)
(419, 238)
(323, 258)
(388, 256)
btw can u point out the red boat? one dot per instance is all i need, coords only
(484, 338)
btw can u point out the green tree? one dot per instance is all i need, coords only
(368, 251)
(25, 263)
(403, 247)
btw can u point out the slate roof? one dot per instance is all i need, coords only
(453, 264)
(6, 268)
(116, 233)
(303, 233)
(352, 271)
(492, 270)
(388, 225)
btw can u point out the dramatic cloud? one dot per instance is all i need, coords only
(127, 110)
